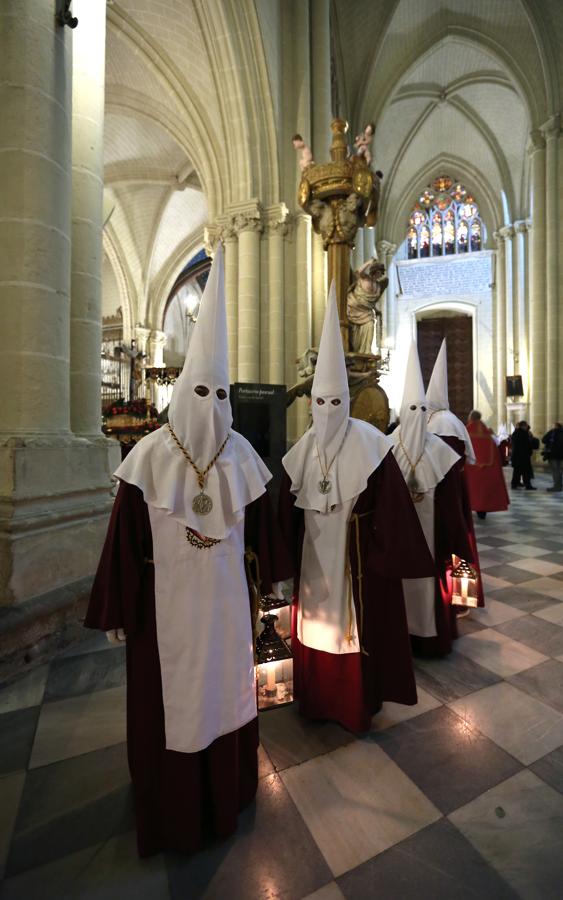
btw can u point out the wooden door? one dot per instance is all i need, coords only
(458, 331)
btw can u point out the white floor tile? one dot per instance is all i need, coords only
(495, 612)
(498, 653)
(392, 713)
(517, 827)
(552, 614)
(551, 587)
(517, 722)
(356, 803)
(25, 692)
(537, 566)
(524, 550)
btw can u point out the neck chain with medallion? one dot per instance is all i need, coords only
(412, 482)
(202, 503)
(324, 484)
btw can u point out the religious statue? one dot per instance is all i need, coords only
(363, 295)
(363, 141)
(306, 157)
(135, 359)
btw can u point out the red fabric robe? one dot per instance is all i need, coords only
(485, 479)
(350, 687)
(458, 445)
(180, 798)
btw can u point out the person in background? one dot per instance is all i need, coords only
(485, 481)
(553, 454)
(523, 445)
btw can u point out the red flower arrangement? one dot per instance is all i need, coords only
(139, 409)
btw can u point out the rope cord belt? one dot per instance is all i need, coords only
(354, 524)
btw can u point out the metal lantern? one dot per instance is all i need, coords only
(274, 673)
(464, 582)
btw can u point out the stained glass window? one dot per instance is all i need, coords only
(445, 220)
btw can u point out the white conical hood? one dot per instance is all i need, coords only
(201, 423)
(437, 393)
(423, 458)
(441, 420)
(337, 449)
(330, 393)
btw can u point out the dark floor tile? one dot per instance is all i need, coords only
(558, 575)
(70, 676)
(543, 541)
(17, 731)
(272, 855)
(70, 805)
(453, 677)
(90, 642)
(467, 625)
(544, 682)
(437, 863)
(289, 739)
(553, 557)
(447, 759)
(520, 598)
(501, 557)
(545, 637)
(491, 540)
(550, 769)
(510, 573)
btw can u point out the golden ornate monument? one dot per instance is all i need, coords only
(341, 196)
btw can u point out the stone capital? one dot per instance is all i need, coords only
(536, 141)
(507, 232)
(385, 248)
(158, 337)
(277, 219)
(248, 222)
(552, 128)
(522, 226)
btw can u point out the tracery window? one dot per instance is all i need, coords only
(444, 220)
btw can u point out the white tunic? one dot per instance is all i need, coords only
(204, 634)
(419, 593)
(323, 615)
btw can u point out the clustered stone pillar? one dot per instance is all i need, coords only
(230, 241)
(385, 253)
(500, 326)
(519, 294)
(88, 88)
(321, 113)
(538, 310)
(277, 229)
(303, 299)
(249, 228)
(551, 131)
(35, 186)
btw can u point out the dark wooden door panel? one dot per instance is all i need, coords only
(458, 331)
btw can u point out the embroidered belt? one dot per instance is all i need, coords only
(354, 524)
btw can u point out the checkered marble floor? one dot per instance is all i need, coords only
(458, 797)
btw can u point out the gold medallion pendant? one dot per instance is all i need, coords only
(202, 504)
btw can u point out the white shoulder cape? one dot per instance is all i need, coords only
(363, 449)
(159, 469)
(446, 423)
(435, 463)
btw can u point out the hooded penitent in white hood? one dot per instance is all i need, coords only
(440, 419)
(424, 459)
(200, 417)
(333, 460)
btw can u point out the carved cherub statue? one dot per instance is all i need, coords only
(306, 157)
(362, 297)
(363, 142)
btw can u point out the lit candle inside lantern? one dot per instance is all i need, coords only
(271, 678)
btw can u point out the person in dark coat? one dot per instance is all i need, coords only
(523, 445)
(553, 454)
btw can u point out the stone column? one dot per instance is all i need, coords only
(54, 487)
(156, 345)
(35, 186)
(249, 226)
(538, 309)
(303, 300)
(277, 229)
(500, 327)
(385, 253)
(551, 131)
(230, 240)
(88, 91)
(369, 243)
(519, 292)
(508, 233)
(321, 115)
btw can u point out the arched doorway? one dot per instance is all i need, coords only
(457, 328)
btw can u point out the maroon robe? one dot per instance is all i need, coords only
(180, 798)
(485, 479)
(450, 536)
(459, 446)
(350, 687)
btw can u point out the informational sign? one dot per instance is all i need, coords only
(259, 414)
